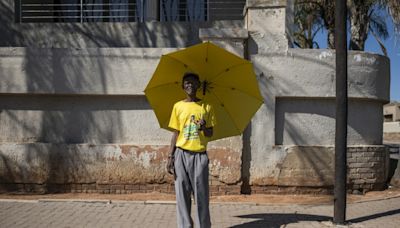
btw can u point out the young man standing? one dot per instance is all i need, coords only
(193, 121)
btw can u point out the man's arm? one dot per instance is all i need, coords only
(171, 154)
(173, 142)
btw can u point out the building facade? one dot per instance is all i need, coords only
(391, 112)
(74, 116)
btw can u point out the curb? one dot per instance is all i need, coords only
(73, 200)
(106, 201)
(18, 201)
(372, 200)
(165, 202)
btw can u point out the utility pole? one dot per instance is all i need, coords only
(341, 113)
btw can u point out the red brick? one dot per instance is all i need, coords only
(76, 186)
(103, 187)
(89, 186)
(117, 187)
(132, 187)
(366, 170)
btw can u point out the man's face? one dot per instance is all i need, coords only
(190, 86)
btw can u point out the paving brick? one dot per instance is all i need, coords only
(381, 213)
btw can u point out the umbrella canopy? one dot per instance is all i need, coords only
(228, 84)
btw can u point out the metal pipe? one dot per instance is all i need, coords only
(341, 113)
(81, 11)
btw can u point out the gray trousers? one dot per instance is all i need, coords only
(191, 170)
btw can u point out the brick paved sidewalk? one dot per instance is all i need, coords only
(13, 213)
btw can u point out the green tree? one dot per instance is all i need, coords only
(328, 17)
(310, 17)
(365, 18)
(307, 24)
(393, 8)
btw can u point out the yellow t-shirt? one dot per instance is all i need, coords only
(183, 117)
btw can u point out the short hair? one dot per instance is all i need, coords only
(190, 75)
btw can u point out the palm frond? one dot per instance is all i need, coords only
(378, 25)
(307, 22)
(393, 7)
(381, 45)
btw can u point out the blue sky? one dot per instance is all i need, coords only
(393, 49)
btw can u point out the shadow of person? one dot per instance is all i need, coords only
(272, 220)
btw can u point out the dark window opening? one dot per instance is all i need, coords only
(67, 11)
(388, 118)
(183, 10)
(79, 10)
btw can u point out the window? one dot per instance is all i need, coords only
(80, 10)
(183, 10)
(388, 118)
(28, 11)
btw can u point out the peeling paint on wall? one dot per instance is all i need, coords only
(325, 54)
(363, 58)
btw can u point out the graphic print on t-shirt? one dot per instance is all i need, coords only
(190, 130)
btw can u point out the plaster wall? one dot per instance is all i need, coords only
(78, 108)
(299, 109)
(308, 121)
(270, 25)
(89, 119)
(57, 103)
(391, 127)
(111, 71)
(68, 163)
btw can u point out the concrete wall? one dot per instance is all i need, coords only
(291, 136)
(391, 127)
(299, 87)
(78, 88)
(77, 117)
(391, 132)
(80, 116)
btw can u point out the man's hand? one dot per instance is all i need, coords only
(202, 124)
(171, 157)
(171, 165)
(208, 132)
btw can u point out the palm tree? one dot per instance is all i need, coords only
(393, 7)
(328, 16)
(310, 17)
(307, 24)
(365, 18)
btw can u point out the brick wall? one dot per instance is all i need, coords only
(220, 189)
(367, 168)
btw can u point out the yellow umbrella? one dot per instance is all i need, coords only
(228, 84)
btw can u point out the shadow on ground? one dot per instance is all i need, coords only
(277, 220)
(273, 220)
(375, 216)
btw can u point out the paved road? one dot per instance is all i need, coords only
(382, 213)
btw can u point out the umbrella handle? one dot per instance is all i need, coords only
(204, 87)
